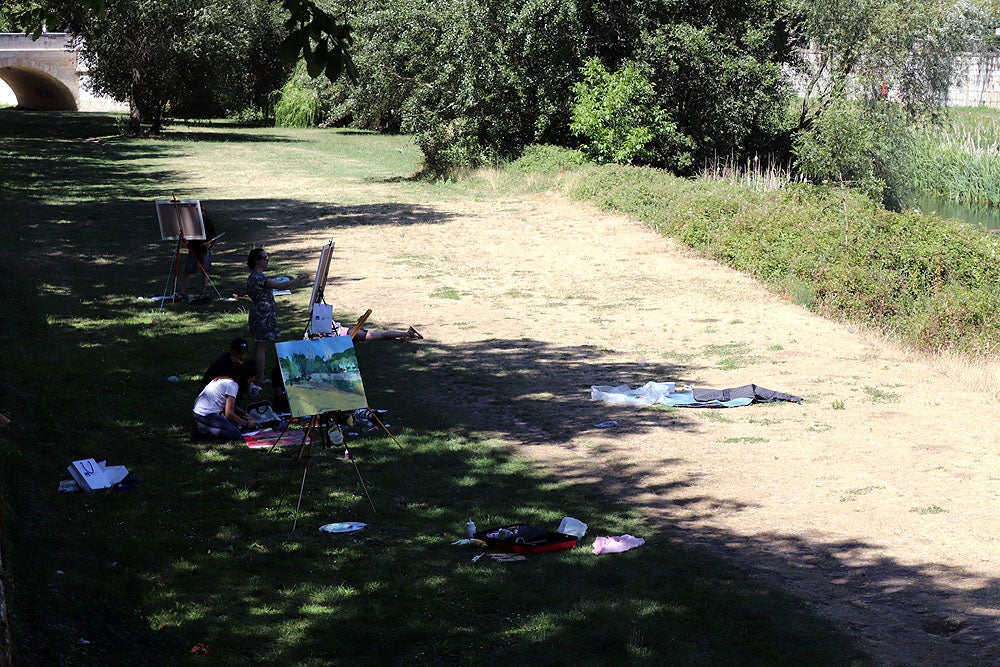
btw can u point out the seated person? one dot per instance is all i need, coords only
(215, 413)
(229, 363)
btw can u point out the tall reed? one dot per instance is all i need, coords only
(959, 161)
(753, 172)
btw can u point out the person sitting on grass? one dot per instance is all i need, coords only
(215, 412)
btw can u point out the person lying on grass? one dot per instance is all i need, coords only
(262, 320)
(215, 412)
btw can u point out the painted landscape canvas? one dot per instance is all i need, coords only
(321, 375)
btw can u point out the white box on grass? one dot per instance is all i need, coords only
(93, 475)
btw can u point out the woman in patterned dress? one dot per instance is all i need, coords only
(263, 317)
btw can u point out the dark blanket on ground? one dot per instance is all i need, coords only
(753, 392)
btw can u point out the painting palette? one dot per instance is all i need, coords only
(343, 527)
(281, 280)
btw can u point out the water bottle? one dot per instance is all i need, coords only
(470, 529)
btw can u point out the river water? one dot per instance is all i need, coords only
(986, 218)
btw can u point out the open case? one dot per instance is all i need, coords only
(524, 539)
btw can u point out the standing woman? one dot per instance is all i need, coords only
(263, 317)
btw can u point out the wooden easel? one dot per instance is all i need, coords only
(178, 229)
(305, 452)
(317, 421)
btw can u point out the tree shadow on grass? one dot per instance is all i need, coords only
(200, 556)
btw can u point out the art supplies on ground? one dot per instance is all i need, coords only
(524, 539)
(91, 475)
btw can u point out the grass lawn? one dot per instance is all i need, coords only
(199, 564)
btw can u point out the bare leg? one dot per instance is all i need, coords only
(259, 356)
(387, 334)
(185, 281)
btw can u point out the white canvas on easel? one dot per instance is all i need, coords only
(322, 269)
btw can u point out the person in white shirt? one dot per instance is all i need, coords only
(215, 413)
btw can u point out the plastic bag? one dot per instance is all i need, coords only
(571, 526)
(647, 394)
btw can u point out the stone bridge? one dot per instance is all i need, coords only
(47, 75)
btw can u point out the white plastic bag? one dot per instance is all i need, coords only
(571, 526)
(647, 394)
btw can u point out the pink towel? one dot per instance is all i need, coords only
(616, 545)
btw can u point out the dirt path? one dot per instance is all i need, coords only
(877, 498)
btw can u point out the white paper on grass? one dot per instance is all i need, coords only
(648, 394)
(93, 475)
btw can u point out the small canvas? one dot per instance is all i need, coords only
(322, 319)
(321, 376)
(180, 218)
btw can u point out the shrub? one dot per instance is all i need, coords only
(617, 116)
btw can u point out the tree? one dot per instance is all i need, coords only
(872, 69)
(722, 86)
(855, 47)
(319, 37)
(473, 80)
(152, 54)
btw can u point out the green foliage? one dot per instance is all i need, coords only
(322, 40)
(866, 146)
(721, 81)
(617, 116)
(959, 159)
(908, 48)
(840, 148)
(298, 102)
(912, 46)
(187, 57)
(473, 81)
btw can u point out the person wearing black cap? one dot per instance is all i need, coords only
(228, 364)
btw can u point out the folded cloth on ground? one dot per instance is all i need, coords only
(753, 392)
(615, 545)
(271, 437)
(662, 393)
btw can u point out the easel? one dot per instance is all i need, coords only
(322, 422)
(204, 271)
(180, 220)
(316, 422)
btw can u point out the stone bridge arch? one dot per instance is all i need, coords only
(46, 74)
(36, 87)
